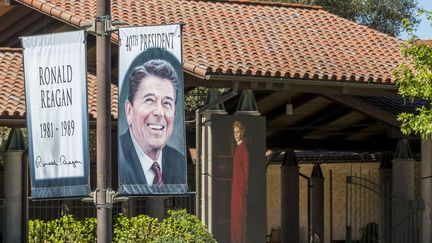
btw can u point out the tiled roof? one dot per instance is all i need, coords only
(12, 101)
(12, 98)
(427, 42)
(247, 38)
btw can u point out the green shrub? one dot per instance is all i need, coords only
(141, 228)
(179, 227)
(64, 229)
(184, 227)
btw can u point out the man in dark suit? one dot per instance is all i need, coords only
(147, 164)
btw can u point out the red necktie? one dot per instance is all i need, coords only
(158, 175)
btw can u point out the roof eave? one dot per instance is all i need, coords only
(305, 85)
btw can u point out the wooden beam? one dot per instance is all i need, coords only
(193, 81)
(365, 108)
(377, 145)
(293, 85)
(280, 110)
(352, 128)
(305, 85)
(322, 117)
(40, 26)
(13, 16)
(16, 28)
(305, 126)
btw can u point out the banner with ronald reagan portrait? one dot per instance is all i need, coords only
(151, 142)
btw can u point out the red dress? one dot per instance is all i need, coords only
(239, 188)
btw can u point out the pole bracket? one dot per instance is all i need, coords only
(103, 26)
(110, 198)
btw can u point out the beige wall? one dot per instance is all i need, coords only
(273, 197)
(340, 171)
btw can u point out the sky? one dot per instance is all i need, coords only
(424, 30)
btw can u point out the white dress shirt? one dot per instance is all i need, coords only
(146, 162)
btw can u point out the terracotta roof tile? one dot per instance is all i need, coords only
(35, 4)
(12, 97)
(427, 42)
(256, 39)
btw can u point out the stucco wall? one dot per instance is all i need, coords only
(340, 171)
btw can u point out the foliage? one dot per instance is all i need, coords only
(179, 227)
(64, 229)
(383, 15)
(195, 98)
(4, 134)
(414, 81)
(141, 228)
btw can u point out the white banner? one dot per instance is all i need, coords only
(151, 111)
(56, 100)
(136, 40)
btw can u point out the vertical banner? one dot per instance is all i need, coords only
(151, 143)
(57, 118)
(238, 174)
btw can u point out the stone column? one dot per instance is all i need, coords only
(290, 199)
(13, 187)
(385, 182)
(216, 223)
(317, 203)
(403, 190)
(426, 189)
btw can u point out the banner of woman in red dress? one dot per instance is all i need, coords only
(239, 185)
(238, 172)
